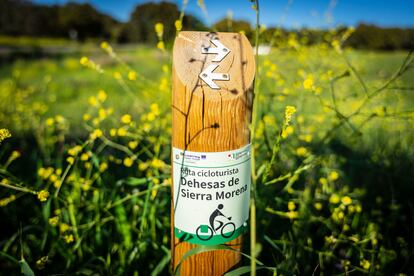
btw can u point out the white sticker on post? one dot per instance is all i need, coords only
(211, 195)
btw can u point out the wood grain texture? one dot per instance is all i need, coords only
(209, 120)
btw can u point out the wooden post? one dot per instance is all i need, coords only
(213, 79)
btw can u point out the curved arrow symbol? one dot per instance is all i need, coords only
(208, 76)
(221, 50)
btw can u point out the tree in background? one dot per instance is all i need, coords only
(373, 37)
(230, 25)
(77, 21)
(140, 27)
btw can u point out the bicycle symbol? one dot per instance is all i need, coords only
(206, 232)
(227, 230)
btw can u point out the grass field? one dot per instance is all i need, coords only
(86, 177)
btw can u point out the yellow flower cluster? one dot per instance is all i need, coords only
(96, 133)
(4, 134)
(85, 61)
(43, 195)
(126, 119)
(5, 201)
(107, 48)
(69, 238)
(159, 30)
(287, 131)
(289, 111)
(157, 163)
(178, 25)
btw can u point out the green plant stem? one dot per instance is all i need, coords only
(253, 168)
(21, 189)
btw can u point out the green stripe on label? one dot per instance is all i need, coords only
(205, 235)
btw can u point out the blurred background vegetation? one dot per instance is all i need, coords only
(85, 176)
(81, 22)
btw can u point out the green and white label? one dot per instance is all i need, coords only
(211, 195)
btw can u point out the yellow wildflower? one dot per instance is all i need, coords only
(88, 165)
(50, 121)
(59, 119)
(159, 29)
(103, 166)
(70, 160)
(155, 108)
(102, 96)
(167, 181)
(84, 60)
(112, 132)
(178, 25)
(292, 214)
(301, 151)
(122, 132)
(15, 154)
(84, 156)
(43, 195)
(308, 83)
(287, 131)
(365, 264)
(117, 75)
(291, 206)
(323, 181)
(161, 45)
(42, 262)
(132, 75)
(334, 199)
(150, 117)
(126, 119)
(96, 134)
(69, 238)
(63, 227)
(53, 177)
(318, 206)
(333, 176)
(4, 134)
(346, 200)
(54, 221)
(93, 101)
(157, 163)
(289, 111)
(146, 127)
(5, 201)
(86, 117)
(57, 184)
(105, 46)
(128, 162)
(132, 144)
(142, 166)
(307, 138)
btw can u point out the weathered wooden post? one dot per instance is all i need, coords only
(213, 78)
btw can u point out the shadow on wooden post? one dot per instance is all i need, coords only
(213, 79)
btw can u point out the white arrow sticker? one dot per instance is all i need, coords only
(221, 51)
(208, 76)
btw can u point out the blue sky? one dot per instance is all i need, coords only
(287, 13)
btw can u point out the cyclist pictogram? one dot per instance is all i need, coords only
(206, 232)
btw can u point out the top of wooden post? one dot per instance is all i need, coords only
(221, 65)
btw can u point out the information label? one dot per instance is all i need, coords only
(211, 195)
